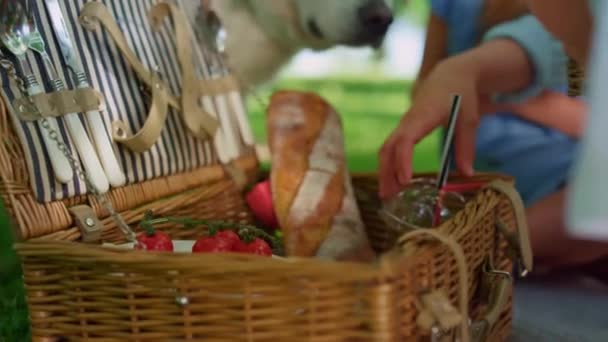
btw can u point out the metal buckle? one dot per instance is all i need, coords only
(88, 223)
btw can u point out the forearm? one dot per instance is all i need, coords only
(577, 34)
(497, 66)
(546, 57)
(502, 66)
(435, 49)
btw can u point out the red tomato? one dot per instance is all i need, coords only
(260, 202)
(229, 236)
(257, 247)
(157, 241)
(212, 245)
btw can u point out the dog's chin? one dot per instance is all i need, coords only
(361, 39)
(365, 41)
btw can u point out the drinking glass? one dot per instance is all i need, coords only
(420, 205)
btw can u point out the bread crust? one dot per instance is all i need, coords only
(312, 192)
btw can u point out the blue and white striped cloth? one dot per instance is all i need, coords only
(176, 151)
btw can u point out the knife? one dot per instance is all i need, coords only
(102, 141)
(83, 145)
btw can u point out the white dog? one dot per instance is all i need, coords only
(263, 35)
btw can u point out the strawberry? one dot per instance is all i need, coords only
(152, 240)
(212, 244)
(257, 247)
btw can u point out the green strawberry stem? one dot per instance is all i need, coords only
(247, 233)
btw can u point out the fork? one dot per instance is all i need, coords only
(83, 144)
(14, 31)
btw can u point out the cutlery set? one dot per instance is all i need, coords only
(211, 32)
(20, 35)
(86, 132)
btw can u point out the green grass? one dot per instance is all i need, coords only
(13, 310)
(370, 110)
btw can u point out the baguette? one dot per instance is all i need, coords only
(311, 188)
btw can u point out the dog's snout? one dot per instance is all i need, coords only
(376, 17)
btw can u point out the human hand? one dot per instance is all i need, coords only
(430, 109)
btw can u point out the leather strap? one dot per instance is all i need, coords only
(435, 308)
(56, 104)
(151, 130)
(200, 123)
(463, 281)
(219, 86)
(87, 222)
(193, 88)
(521, 242)
(93, 12)
(496, 287)
(238, 175)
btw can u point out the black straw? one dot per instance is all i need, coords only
(447, 157)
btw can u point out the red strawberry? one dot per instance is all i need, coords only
(257, 247)
(154, 241)
(212, 244)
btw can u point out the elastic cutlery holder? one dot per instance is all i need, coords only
(59, 103)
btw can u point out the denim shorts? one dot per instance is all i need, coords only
(539, 158)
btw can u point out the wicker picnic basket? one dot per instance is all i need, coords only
(84, 292)
(576, 77)
(440, 283)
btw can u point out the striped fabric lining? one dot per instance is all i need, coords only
(176, 151)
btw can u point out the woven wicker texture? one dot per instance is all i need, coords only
(91, 293)
(85, 292)
(576, 77)
(53, 220)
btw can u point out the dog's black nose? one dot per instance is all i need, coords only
(376, 18)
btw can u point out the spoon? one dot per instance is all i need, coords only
(224, 137)
(96, 125)
(88, 156)
(214, 36)
(14, 30)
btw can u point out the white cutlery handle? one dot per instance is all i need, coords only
(242, 119)
(104, 149)
(88, 156)
(59, 162)
(230, 138)
(219, 141)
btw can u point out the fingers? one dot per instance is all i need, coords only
(404, 154)
(396, 155)
(389, 185)
(464, 139)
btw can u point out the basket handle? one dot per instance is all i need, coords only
(200, 122)
(152, 128)
(463, 280)
(520, 240)
(495, 284)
